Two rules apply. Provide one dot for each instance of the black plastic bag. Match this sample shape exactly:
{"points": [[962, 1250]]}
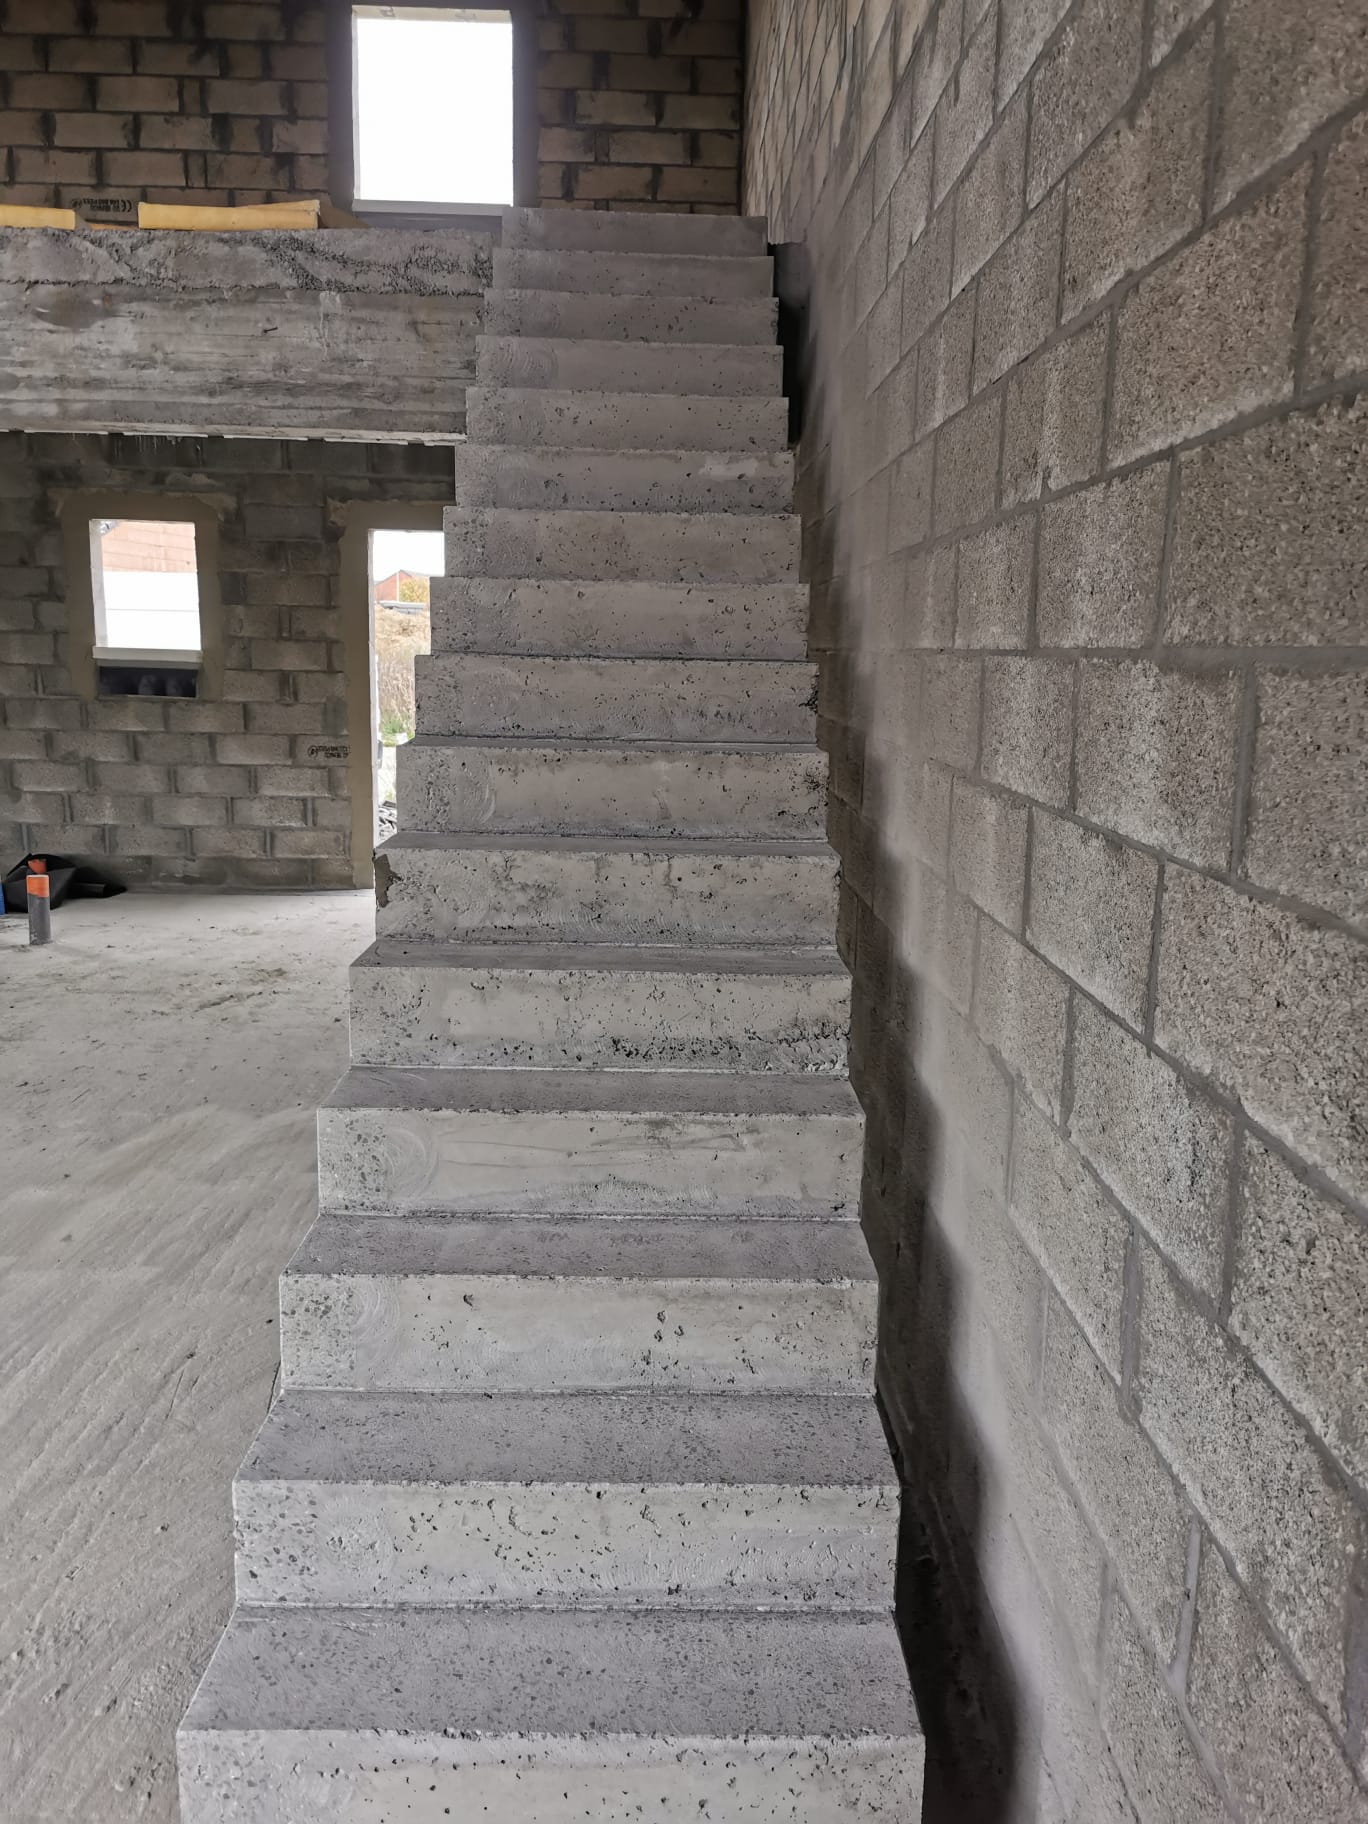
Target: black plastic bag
{"points": [[67, 879]]}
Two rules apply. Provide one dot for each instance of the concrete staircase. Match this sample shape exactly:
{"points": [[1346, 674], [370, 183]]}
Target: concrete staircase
{"points": [[575, 1503]]}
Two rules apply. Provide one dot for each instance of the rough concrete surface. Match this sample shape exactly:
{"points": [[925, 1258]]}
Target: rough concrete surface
{"points": [[161, 1067]]}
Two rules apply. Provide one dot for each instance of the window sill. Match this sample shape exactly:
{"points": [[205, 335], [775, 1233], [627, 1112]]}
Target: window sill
{"points": [[183, 656]]}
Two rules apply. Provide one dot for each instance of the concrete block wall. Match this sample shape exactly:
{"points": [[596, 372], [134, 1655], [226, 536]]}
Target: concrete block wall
{"points": [[108, 102], [640, 103], [1083, 483], [248, 787]]}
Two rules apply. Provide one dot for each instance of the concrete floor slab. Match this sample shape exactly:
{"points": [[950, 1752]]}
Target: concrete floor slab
{"points": [[162, 1063]]}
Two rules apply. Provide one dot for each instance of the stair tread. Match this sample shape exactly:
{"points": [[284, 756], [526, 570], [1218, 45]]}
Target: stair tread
{"points": [[558, 1673], [626, 1092], [458, 518], [730, 1250], [679, 1439], [800, 847], [610, 744], [623, 959]]}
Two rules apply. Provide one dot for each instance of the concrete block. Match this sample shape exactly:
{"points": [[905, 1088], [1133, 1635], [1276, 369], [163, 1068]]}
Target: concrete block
{"points": [[575, 365], [1267, 1006], [1125, 1489], [909, 498], [1140, 189], [439, 889], [988, 851], [501, 1305], [1263, 550], [1081, 83], [1019, 1007], [1052, 434], [1339, 300], [948, 725], [996, 570], [989, 203], [1161, 1147], [527, 1008], [485, 1717], [926, 278], [624, 421], [630, 274], [578, 1499], [1028, 726], [944, 364], [967, 450], [1297, 1301], [689, 481], [1159, 1761], [1026, 27], [972, 1094], [1100, 556], [487, 695], [964, 113], [586, 788], [1306, 834], [1210, 333], [619, 618], [1155, 757], [1283, 84], [909, 201], [605, 318], [1278, 1758], [1018, 293], [1252, 1473], [1072, 1228]]}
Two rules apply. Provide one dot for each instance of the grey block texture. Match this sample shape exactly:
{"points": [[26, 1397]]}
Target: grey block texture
{"points": [[584, 1338]]}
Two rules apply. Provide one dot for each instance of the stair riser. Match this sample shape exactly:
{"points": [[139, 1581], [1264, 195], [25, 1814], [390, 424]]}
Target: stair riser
{"points": [[617, 619], [635, 482], [672, 548], [606, 319], [605, 896], [633, 274], [604, 1545], [584, 791], [447, 1333], [626, 231], [615, 699], [414, 1161], [749, 370], [294, 1776], [562, 1019], [623, 421]]}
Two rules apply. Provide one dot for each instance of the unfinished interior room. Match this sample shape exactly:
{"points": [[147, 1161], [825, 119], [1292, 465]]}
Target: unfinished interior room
{"points": [[684, 978]]}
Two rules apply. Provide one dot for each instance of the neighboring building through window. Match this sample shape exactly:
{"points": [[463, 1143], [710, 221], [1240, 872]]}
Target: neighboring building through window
{"points": [[145, 581], [432, 107]]}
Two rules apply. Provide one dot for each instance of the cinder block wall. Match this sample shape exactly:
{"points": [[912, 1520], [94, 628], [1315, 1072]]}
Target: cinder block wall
{"points": [[226, 790], [1085, 475], [640, 103], [154, 100]]}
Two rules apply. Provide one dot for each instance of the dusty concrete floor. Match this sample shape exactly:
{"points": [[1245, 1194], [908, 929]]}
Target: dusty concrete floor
{"points": [[159, 1069]]}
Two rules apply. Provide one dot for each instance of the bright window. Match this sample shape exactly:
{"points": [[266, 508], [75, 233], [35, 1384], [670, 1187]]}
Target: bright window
{"points": [[145, 581], [433, 106]]}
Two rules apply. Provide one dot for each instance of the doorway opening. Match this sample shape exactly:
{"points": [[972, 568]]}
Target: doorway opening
{"points": [[401, 566], [432, 108]]}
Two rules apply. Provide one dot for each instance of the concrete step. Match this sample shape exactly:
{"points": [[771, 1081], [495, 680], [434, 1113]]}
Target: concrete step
{"points": [[605, 890], [534, 1305], [444, 1715], [633, 481], [660, 547], [605, 318], [497, 695], [696, 369], [504, 1006], [697, 1501], [693, 1143], [671, 275], [589, 788], [623, 421], [629, 231], [608, 619]]}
